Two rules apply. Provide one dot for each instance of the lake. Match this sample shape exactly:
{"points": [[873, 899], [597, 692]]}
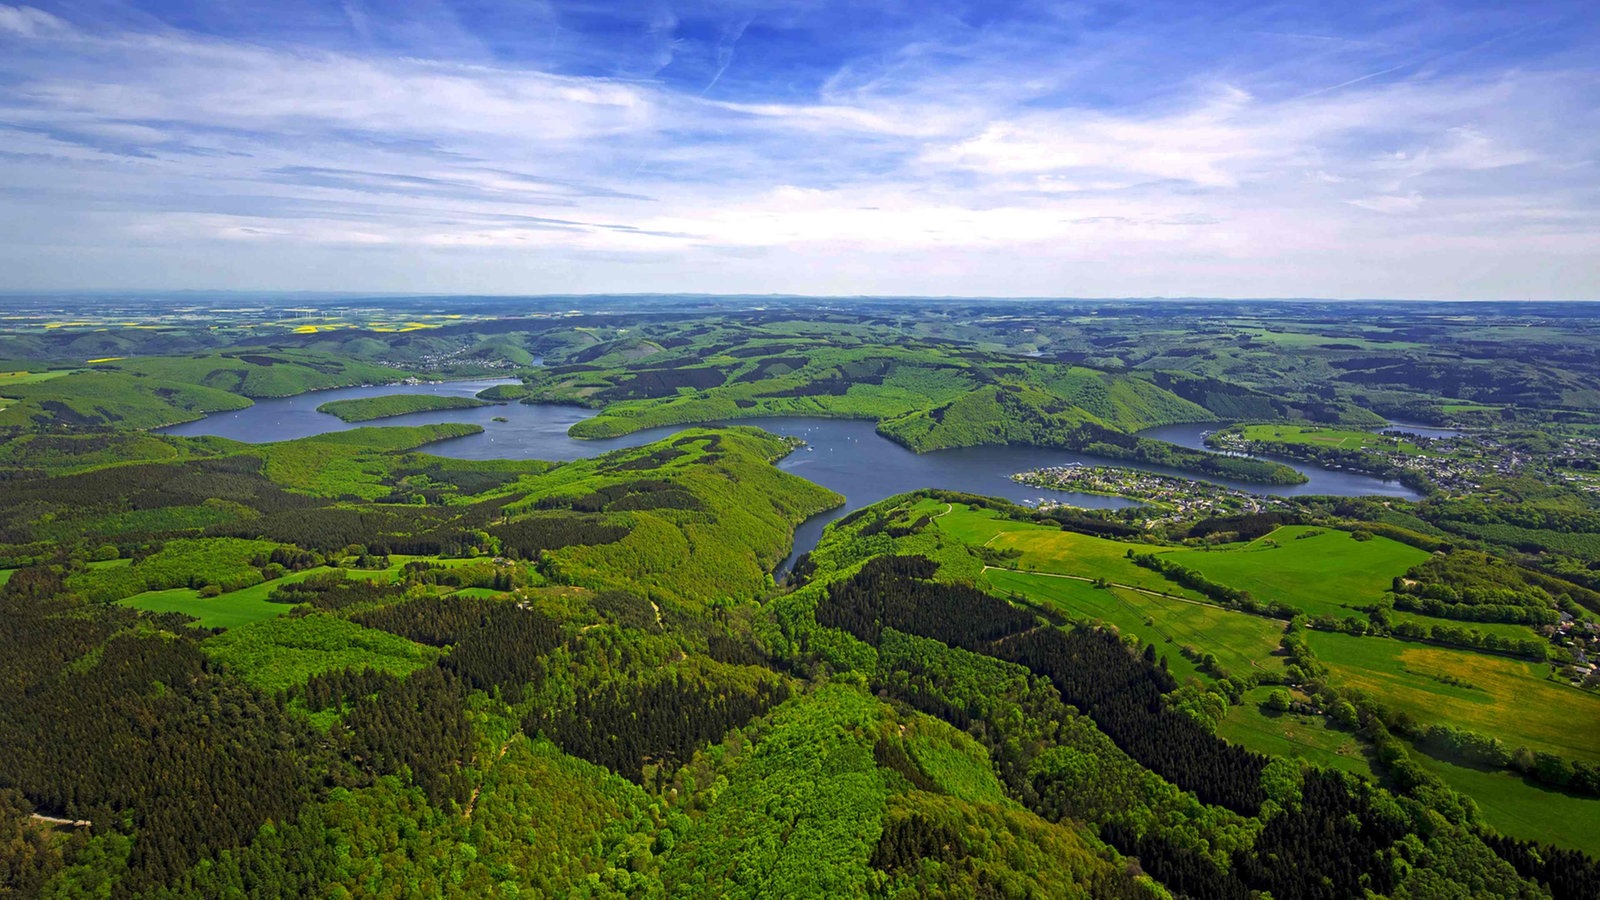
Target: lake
{"points": [[1427, 431], [1334, 482], [848, 456]]}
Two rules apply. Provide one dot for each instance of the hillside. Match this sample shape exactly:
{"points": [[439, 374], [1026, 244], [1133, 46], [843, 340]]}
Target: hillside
{"points": [[149, 392]]}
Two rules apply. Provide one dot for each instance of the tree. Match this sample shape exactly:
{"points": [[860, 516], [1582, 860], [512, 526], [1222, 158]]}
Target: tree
{"points": [[1278, 700]]}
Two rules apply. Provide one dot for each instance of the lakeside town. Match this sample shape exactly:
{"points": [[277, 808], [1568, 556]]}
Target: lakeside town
{"points": [[1456, 464], [1166, 499]]}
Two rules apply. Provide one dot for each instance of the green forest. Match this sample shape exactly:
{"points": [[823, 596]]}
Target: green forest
{"points": [[354, 665], [370, 408]]}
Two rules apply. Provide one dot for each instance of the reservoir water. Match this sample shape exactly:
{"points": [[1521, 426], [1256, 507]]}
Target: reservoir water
{"points": [[848, 456], [1334, 482], [1427, 431]]}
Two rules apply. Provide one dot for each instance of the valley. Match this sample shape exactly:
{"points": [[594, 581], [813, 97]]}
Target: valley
{"points": [[807, 601]]}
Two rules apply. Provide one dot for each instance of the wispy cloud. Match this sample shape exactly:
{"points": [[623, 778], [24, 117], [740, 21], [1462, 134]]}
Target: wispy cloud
{"points": [[29, 22], [845, 149]]}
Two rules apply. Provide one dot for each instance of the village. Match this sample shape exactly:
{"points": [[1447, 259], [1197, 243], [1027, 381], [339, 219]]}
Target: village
{"points": [[1456, 464], [1165, 499]]}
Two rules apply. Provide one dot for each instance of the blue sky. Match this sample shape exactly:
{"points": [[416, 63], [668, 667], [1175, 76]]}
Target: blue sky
{"points": [[1402, 149]]}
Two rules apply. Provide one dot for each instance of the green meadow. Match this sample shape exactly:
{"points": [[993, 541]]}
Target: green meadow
{"points": [[1240, 642], [972, 525], [278, 653], [242, 607], [1327, 573], [1504, 629], [223, 611], [1334, 438], [1506, 698], [478, 593], [1045, 549], [1293, 735], [1518, 807], [10, 378], [1301, 340]]}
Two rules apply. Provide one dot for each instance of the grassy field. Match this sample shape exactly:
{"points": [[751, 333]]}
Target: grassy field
{"points": [[224, 611], [1293, 735], [278, 653], [1518, 632], [228, 610], [1507, 698], [1240, 642], [1303, 340], [242, 607], [9, 378], [1339, 438], [1325, 573], [974, 526], [1520, 808], [1467, 407], [478, 593], [1046, 549], [5, 576]]}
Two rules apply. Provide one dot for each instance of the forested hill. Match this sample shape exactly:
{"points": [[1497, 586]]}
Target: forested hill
{"points": [[367, 409], [148, 392], [927, 396]]}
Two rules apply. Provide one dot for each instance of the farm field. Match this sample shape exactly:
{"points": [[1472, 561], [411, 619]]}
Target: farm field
{"points": [[1519, 808], [9, 378], [1506, 698], [1070, 553], [1327, 573], [1240, 642], [1293, 735], [1335, 438]]}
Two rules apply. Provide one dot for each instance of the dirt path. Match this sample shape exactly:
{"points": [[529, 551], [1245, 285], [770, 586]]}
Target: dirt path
{"points": [[53, 820]]}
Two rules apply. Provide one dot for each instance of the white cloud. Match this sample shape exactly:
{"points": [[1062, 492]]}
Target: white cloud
{"points": [[244, 87], [1390, 203], [921, 162], [30, 22]]}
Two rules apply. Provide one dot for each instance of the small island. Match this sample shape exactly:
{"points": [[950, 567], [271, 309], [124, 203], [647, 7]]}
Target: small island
{"points": [[368, 408]]}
